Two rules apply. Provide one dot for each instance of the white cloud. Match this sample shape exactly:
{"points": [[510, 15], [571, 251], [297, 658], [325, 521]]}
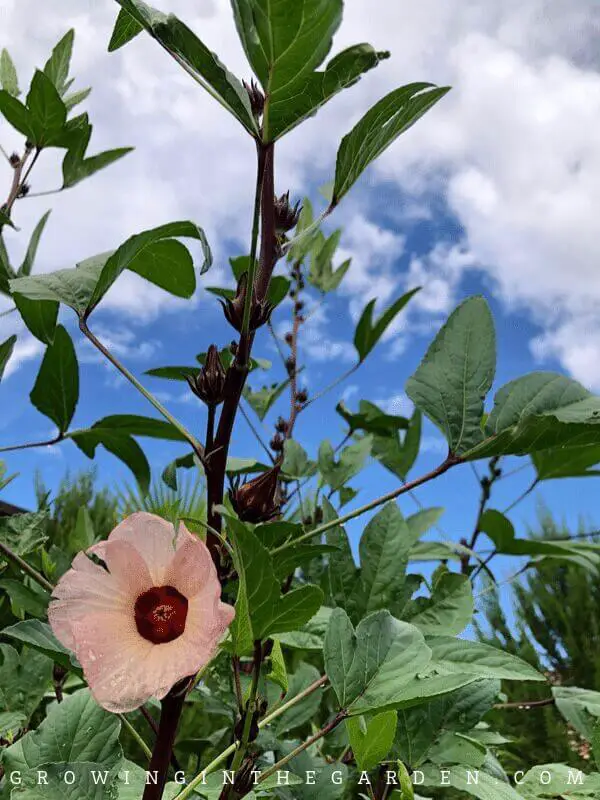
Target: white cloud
{"points": [[575, 345], [512, 149], [25, 349]]}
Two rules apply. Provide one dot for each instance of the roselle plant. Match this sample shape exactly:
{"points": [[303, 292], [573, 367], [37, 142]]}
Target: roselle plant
{"points": [[278, 664]]}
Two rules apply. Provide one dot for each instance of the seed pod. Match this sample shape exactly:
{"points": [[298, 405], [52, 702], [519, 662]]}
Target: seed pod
{"points": [[258, 500], [286, 216], [209, 383]]}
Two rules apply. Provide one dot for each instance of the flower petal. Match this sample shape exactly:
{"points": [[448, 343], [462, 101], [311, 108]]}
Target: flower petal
{"points": [[153, 537], [191, 567], [114, 660], [84, 589]]}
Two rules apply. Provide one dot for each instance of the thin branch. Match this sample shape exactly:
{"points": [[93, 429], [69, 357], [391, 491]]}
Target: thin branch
{"points": [[136, 736], [331, 725], [25, 567], [30, 445], [222, 757], [449, 462], [256, 433], [486, 483], [526, 705], [10, 311], [522, 496], [333, 385], [197, 447]]}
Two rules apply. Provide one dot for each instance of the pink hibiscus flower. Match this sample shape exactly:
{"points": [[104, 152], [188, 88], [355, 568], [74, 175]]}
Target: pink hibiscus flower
{"points": [[151, 618]]}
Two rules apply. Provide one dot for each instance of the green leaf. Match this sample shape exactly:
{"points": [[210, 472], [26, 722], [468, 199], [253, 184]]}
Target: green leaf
{"points": [[322, 275], [24, 533], [456, 373], [596, 743], [8, 74], [39, 316], [24, 599], [371, 419], [569, 462], [456, 748], [369, 668], [24, 679], [300, 714], [202, 64], [368, 332], [381, 125], [399, 457], [57, 66], [371, 742], [278, 673], [17, 115], [486, 788], [540, 411], [72, 100], [384, 548], [579, 707], [475, 658], [83, 535], [73, 287], [64, 737], [48, 113], [77, 169], [121, 445], [11, 724], [56, 389], [126, 28], [341, 576], [38, 636], [565, 782], [449, 609], [157, 257], [260, 608], [136, 425], [296, 463], [25, 268], [351, 461], [6, 351], [263, 400]]}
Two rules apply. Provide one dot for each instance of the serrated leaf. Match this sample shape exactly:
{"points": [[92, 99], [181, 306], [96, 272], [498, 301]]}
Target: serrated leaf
{"points": [[456, 374], [8, 74], [579, 707], [72, 100], [6, 351], [24, 679], [206, 67], [48, 113], [25, 600], [381, 125], [296, 463], [369, 331], [336, 473], [76, 170], [126, 28], [24, 533], [57, 66], [38, 636], [371, 419], [56, 389], [121, 445], [263, 400], [39, 316], [399, 456], [369, 667], [540, 411], [159, 258], [476, 658], [568, 462], [372, 741], [25, 268], [449, 609], [17, 115], [76, 730]]}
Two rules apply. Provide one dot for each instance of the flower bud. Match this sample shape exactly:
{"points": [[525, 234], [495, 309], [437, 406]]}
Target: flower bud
{"points": [[276, 443], [302, 396], [286, 216], [258, 500], [260, 312], [209, 383], [257, 98], [14, 160]]}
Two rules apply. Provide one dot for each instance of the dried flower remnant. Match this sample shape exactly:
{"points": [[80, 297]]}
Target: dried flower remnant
{"points": [[286, 215], [152, 617]]}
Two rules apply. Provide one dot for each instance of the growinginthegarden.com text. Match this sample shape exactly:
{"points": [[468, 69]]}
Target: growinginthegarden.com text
{"points": [[443, 777]]}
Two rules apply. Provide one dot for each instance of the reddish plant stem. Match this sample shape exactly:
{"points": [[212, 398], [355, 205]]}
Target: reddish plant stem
{"points": [[172, 706]]}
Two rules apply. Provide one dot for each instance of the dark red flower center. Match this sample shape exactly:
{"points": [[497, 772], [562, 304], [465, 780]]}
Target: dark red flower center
{"points": [[160, 614]]}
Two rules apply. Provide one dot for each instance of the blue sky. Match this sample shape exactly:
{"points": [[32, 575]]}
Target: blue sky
{"points": [[494, 192]]}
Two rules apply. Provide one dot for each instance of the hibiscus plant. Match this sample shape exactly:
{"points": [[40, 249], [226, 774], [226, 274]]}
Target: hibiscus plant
{"points": [[246, 652]]}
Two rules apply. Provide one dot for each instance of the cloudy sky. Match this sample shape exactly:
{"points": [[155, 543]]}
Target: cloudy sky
{"points": [[497, 190]]}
